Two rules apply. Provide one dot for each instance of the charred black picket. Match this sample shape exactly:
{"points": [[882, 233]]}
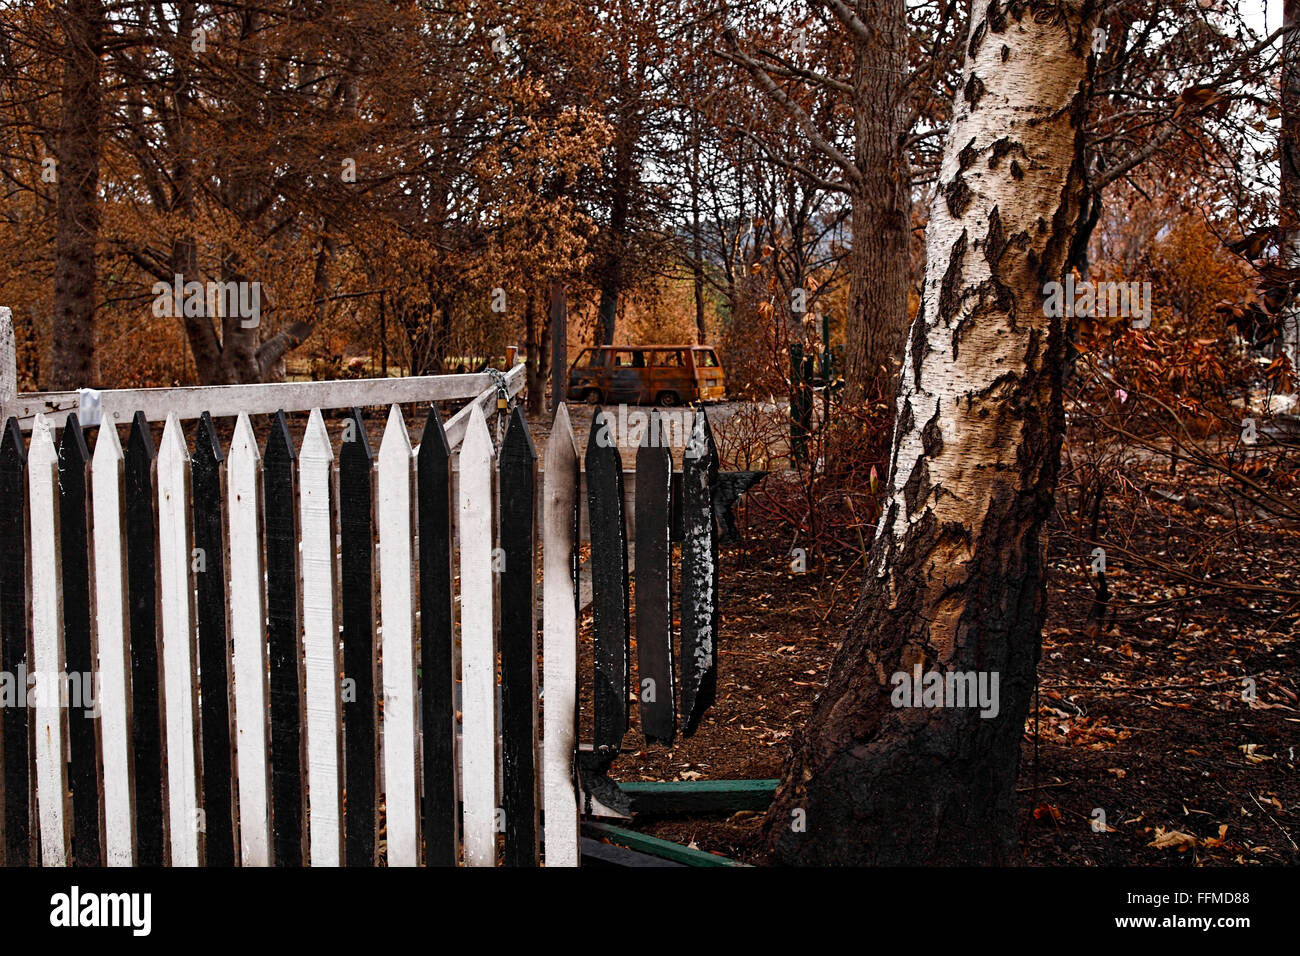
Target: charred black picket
{"points": [[699, 575], [654, 615], [142, 598], [17, 848], [283, 642], [437, 665], [214, 643], [609, 592], [518, 643], [79, 660], [360, 717]]}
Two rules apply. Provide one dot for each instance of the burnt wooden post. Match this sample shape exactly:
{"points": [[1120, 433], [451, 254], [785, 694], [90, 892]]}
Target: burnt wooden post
{"points": [[142, 597], [559, 345], [437, 664], [518, 642], [654, 615], [699, 575], [18, 845], [360, 717], [215, 685], [608, 532], [74, 551], [284, 644]]}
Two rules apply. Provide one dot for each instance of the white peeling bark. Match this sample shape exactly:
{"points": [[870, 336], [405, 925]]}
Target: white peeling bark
{"points": [[956, 581]]}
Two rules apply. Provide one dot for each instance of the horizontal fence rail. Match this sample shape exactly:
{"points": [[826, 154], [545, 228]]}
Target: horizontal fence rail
{"points": [[271, 668], [120, 406]]}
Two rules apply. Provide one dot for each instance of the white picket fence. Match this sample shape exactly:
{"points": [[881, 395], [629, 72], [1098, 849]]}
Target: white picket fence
{"points": [[396, 608]]}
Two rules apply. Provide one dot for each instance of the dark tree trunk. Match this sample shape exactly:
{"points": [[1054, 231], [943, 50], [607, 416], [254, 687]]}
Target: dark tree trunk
{"points": [[957, 575], [77, 169], [537, 340], [881, 218], [614, 270], [1289, 147]]}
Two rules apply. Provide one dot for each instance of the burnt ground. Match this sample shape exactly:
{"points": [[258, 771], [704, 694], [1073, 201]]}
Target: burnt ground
{"points": [[1141, 717]]}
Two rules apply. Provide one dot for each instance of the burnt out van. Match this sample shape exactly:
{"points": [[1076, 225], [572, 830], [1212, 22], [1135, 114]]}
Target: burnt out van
{"points": [[647, 375]]}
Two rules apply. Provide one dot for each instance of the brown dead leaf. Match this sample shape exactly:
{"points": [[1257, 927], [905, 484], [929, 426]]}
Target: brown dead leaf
{"points": [[1046, 811], [1173, 840], [1219, 840]]}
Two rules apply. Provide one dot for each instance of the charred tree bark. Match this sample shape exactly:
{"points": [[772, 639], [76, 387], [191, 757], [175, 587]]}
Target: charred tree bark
{"points": [[1289, 198], [73, 362], [956, 579]]}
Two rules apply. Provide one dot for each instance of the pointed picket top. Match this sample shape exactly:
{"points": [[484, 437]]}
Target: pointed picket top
{"points": [[316, 446], [108, 447], [243, 444], [596, 447], [356, 443], [396, 443], [433, 441], [562, 429], [279, 443], [13, 450], [518, 442], [42, 450], [173, 449], [72, 443], [652, 445], [207, 447], [478, 440], [139, 444], [700, 444]]}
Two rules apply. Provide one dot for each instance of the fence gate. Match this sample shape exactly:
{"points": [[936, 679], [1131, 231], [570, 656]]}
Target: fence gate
{"points": [[249, 654], [254, 653]]}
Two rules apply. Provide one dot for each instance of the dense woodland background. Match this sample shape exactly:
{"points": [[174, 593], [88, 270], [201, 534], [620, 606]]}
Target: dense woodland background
{"points": [[682, 167]]}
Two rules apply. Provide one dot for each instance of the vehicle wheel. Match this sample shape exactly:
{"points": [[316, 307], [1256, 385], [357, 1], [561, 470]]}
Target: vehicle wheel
{"points": [[591, 396], [669, 399]]}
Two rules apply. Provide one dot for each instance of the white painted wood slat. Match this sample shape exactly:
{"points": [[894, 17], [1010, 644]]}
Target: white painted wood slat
{"points": [[321, 643], [114, 655], [52, 808], [248, 634], [179, 650], [396, 598], [559, 645], [478, 643]]}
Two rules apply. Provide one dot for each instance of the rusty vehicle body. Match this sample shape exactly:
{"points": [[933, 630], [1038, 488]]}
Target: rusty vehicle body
{"points": [[647, 375]]}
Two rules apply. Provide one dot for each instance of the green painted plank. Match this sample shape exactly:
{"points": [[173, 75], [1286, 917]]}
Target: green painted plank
{"points": [[656, 847]]}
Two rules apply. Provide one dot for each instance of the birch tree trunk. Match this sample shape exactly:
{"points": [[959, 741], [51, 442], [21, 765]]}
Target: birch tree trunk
{"points": [[956, 580]]}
